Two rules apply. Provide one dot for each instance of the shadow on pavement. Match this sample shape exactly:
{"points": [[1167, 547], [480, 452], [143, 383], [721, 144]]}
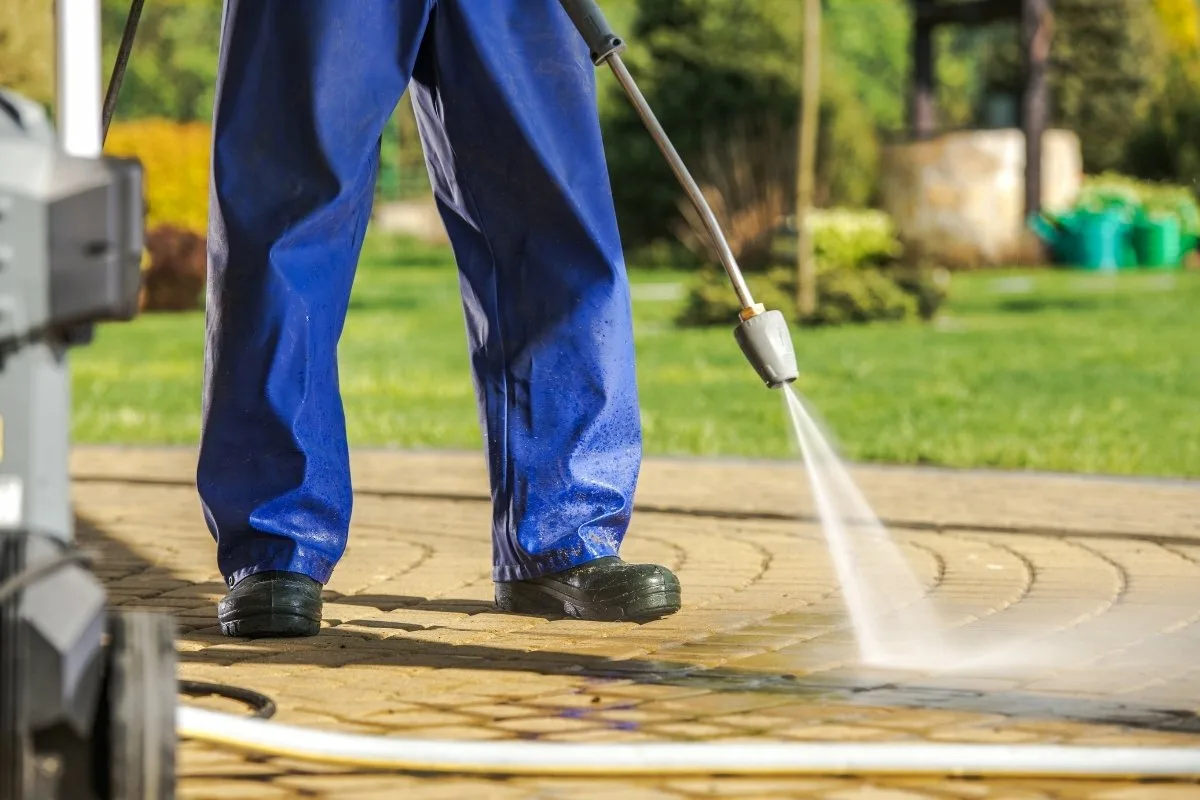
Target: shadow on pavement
{"points": [[382, 643], [133, 580]]}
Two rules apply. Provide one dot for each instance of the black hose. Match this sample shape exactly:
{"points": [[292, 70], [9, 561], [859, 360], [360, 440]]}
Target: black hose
{"points": [[263, 706], [118, 72]]}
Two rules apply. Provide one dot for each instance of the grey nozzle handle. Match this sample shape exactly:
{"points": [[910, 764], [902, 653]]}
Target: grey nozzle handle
{"points": [[765, 340], [599, 35]]}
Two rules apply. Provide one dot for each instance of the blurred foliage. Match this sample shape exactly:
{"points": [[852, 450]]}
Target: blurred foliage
{"points": [[845, 295], [853, 238], [861, 278], [178, 266], [27, 48], [1126, 77], [1110, 190], [959, 52], [175, 157], [173, 65], [402, 170], [1180, 21], [1107, 60], [708, 66], [749, 178], [1166, 146]]}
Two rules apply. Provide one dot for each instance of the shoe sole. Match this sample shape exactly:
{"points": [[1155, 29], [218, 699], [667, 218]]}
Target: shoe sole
{"points": [[269, 626], [260, 615], [542, 600]]}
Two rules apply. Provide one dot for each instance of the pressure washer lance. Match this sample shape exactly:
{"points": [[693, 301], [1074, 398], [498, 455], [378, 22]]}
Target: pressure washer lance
{"points": [[763, 335]]}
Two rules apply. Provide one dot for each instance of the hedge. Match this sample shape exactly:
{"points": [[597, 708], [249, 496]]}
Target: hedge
{"points": [[175, 156]]}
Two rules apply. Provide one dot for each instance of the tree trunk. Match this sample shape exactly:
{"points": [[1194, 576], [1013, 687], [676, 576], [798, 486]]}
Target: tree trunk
{"points": [[1036, 33], [924, 101], [810, 110]]}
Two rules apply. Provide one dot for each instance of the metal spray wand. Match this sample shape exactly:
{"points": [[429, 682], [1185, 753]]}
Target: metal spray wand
{"points": [[763, 335]]}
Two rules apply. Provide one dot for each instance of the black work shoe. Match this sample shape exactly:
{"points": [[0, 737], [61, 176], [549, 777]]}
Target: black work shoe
{"points": [[606, 589], [271, 604]]}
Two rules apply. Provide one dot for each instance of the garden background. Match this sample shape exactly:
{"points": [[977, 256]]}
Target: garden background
{"points": [[1016, 367]]}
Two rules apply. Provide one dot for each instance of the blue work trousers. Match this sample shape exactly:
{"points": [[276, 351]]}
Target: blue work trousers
{"points": [[506, 105]]}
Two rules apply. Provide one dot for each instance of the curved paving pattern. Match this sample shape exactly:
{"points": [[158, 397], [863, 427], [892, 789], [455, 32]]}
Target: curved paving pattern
{"points": [[1098, 582]]}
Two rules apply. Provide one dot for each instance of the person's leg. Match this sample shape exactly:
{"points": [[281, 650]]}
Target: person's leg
{"points": [[506, 103], [304, 90]]}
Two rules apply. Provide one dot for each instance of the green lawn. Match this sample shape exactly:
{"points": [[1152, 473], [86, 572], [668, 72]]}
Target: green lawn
{"points": [[1054, 371]]}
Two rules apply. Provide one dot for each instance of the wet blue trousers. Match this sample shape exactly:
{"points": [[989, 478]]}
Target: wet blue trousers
{"points": [[505, 100]]}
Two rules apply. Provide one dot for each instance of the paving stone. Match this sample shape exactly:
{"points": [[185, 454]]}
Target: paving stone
{"points": [[876, 793], [231, 789], [837, 733], [690, 730], [1154, 791], [743, 787], [1094, 586]]}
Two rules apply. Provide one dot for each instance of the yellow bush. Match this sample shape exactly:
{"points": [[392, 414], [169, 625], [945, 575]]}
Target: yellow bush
{"points": [[27, 48], [1181, 25], [175, 156]]}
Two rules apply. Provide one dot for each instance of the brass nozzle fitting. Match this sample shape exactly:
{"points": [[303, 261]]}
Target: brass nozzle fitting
{"points": [[752, 311]]}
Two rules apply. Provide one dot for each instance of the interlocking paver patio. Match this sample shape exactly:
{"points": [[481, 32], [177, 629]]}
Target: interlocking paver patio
{"points": [[1106, 571]]}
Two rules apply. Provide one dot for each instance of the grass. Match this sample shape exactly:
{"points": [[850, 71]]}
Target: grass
{"points": [[1046, 370]]}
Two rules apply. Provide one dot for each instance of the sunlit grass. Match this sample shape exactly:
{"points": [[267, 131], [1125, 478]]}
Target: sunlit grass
{"points": [[1048, 370]]}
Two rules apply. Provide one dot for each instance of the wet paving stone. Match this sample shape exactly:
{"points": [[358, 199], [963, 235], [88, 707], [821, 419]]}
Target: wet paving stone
{"points": [[1103, 615]]}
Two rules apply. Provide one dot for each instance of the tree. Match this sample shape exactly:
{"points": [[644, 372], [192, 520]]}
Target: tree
{"points": [[1106, 64], [1167, 147], [810, 109], [711, 68], [173, 67]]}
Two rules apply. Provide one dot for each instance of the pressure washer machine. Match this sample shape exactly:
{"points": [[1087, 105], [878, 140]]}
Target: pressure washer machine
{"points": [[87, 694]]}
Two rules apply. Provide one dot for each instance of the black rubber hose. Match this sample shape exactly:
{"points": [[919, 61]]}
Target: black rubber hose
{"points": [[118, 72], [263, 706]]}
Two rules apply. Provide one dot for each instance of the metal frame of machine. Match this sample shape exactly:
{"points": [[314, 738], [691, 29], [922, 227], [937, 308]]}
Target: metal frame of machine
{"points": [[87, 694]]}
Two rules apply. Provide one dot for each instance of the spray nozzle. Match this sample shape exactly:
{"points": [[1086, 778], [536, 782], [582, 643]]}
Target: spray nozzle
{"points": [[764, 338]]}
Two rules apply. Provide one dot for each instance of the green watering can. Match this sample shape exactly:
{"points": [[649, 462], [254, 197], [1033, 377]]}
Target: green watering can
{"points": [[1161, 241], [1092, 239]]}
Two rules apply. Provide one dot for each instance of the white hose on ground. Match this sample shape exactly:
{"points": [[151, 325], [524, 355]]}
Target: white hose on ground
{"points": [[608, 760]]}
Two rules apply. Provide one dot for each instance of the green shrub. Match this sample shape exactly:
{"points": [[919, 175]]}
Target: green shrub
{"points": [[861, 278], [844, 237], [853, 238], [711, 300], [1114, 190], [845, 295], [929, 285]]}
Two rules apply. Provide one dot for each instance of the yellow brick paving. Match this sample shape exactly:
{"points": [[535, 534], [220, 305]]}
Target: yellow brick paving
{"points": [[1105, 569]]}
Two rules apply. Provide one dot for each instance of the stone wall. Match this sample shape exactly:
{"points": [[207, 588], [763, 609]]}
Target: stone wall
{"points": [[959, 199]]}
